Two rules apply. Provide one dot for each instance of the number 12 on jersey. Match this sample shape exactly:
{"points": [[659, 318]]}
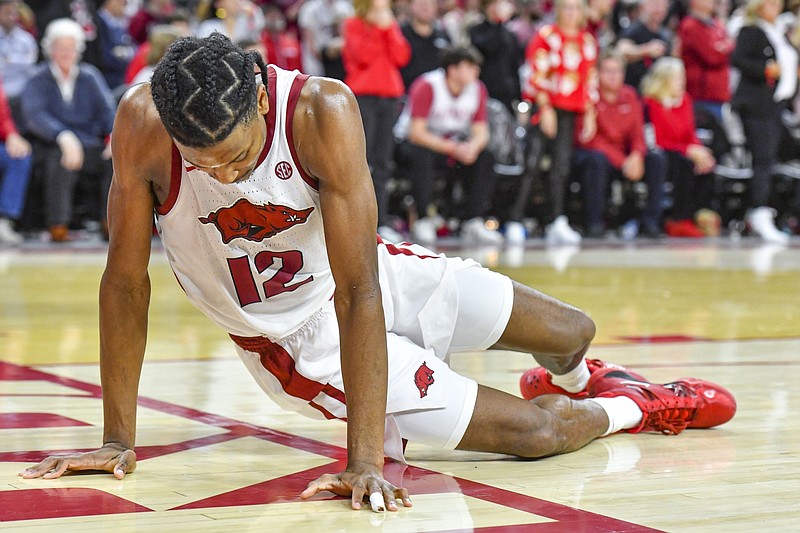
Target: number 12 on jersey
{"points": [[283, 280]]}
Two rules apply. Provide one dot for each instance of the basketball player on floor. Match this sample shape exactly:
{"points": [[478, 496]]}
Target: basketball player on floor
{"points": [[267, 214]]}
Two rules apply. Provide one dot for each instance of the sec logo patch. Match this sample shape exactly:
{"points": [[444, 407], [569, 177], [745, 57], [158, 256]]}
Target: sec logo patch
{"points": [[283, 170]]}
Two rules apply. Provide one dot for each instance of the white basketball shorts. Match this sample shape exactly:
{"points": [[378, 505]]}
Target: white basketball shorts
{"points": [[433, 306]]}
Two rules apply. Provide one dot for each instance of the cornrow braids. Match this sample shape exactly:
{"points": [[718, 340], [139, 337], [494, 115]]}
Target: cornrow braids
{"points": [[204, 88]]}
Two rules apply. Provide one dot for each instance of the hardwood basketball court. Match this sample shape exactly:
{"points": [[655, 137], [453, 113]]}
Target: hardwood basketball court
{"points": [[215, 454]]}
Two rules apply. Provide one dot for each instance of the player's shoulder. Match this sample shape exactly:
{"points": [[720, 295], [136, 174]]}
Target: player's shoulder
{"points": [[137, 115], [139, 138], [325, 102]]}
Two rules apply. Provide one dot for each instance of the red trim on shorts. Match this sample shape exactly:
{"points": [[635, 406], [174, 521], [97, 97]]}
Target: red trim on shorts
{"points": [[277, 361], [176, 172], [294, 96], [394, 249]]}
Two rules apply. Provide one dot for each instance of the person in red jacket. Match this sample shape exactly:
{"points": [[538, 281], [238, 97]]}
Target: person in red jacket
{"points": [[563, 84], [671, 113], [618, 151], [706, 50], [374, 51]]}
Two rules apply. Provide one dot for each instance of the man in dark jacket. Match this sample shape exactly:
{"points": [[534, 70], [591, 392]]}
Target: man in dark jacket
{"points": [[68, 108]]}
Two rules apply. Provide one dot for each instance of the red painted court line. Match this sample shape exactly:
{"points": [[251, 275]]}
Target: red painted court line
{"points": [[287, 488], [37, 504]]}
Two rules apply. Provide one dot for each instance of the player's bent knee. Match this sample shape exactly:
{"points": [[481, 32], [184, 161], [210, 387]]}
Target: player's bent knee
{"points": [[581, 331]]}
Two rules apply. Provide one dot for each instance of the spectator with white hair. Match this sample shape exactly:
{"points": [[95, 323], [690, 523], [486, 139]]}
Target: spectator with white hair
{"points": [[69, 110]]}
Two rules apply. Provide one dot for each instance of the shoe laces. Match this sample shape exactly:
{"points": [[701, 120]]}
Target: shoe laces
{"points": [[671, 415]]}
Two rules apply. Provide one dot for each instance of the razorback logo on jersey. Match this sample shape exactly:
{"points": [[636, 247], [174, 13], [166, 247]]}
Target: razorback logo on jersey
{"points": [[244, 220], [423, 378]]}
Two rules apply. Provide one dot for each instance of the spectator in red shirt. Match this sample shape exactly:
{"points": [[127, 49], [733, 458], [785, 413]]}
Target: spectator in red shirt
{"points": [[563, 84], [444, 131], [671, 114], [618, 151], [15, 169], [706, 50], [374, 50]]}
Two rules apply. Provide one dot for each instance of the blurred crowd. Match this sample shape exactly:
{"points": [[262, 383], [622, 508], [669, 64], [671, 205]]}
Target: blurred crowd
{"points": [[495, 120]]}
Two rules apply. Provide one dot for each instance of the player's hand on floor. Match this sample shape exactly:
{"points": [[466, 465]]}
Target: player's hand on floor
{"points": [[112, 458], [360, 482]]}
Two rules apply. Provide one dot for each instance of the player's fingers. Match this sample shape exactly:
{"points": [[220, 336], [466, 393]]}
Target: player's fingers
{"points": [[125, 465], [359, 490], [58, 469], [40, 469], [324, 482], [388, 497], [376, 500], [402, 493]]}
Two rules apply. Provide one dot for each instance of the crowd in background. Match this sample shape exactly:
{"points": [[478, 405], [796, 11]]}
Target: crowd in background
{"points": [[493, 118]]}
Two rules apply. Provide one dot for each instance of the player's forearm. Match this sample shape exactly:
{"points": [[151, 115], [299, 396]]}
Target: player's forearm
{"points": [[123, 334], [365, 374]]}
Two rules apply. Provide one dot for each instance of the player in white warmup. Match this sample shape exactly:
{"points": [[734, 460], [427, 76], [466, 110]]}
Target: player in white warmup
{"points": [[265, 206]]}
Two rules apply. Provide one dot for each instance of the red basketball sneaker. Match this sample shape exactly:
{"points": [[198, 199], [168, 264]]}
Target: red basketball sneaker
{"points": [[538, 381], [668, 408]]}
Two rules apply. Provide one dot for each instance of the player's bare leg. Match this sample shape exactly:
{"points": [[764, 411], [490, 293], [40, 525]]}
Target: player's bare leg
{"points": [[548, 425], [556, 333]]}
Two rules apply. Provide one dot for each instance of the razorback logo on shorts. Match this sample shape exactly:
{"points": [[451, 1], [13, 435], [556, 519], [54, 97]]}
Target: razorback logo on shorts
{"points": [[252, 222], [423, 378]]}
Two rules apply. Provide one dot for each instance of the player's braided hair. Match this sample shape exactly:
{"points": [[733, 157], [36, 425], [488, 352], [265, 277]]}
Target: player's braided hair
{"points": [[204, 88]]}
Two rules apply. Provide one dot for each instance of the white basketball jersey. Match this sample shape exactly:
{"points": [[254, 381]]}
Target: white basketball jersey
{"points": [[251, 255], [449, 115]]}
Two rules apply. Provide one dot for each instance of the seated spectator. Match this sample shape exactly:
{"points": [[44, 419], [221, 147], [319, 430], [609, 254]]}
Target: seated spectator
{"points": [[426, 38], [15, 169], [84, 12], [618, 151], [768, 63], [374, 50], [443, 130], [643, 42], [501, 52], [671, 114], [152, 12], [282, 45], [160, 38], [706, 49], [563, 84], [69, 109], [237, 19], [116, 45], [18, 50]]}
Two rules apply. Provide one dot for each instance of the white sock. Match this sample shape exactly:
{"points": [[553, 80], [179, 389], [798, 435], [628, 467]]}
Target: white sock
{"points": [[575, 380], [622, 412]]}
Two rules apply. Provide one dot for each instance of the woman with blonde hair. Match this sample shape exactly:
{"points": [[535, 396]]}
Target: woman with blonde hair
{"points": [[374, 50], [563, 83], [768, 63], [671, 113]]}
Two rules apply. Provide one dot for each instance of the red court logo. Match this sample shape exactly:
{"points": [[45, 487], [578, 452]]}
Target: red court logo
{"points": [[283, 170], [252, 222], [423, 378]]}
